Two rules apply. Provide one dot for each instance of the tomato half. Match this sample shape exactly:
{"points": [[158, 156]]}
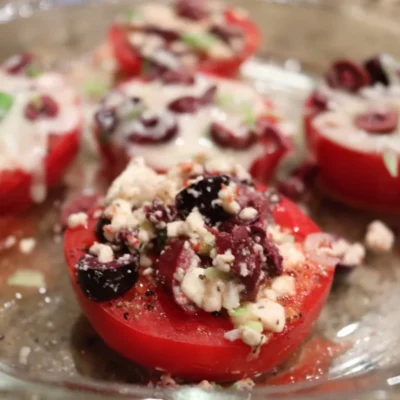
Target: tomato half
{"points": [[131, 64], [354, 177], [15, 185], [154, 332]]}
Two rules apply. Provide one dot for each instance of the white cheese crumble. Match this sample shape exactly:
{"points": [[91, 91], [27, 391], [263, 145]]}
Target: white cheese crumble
{"points": [[9, 242], [223, 262], [104, 252], [284, 286], [27, 245], [269, 313], [227, 196], [379, 238], [248, 213], [77, 219]]}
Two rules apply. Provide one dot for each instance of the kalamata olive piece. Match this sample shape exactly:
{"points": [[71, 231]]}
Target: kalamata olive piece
{"points": [[106, 121], [167, 34], [226, 32], [18, 63], [202, 195], [177, 77], [318, 101], [292, 187], [159, 213], [176, 256], [347, 75], [377, 121], [42, 106], [224, 137], [191, 9], [107, 281], [376, 71], [154, 131], [185, 105]]}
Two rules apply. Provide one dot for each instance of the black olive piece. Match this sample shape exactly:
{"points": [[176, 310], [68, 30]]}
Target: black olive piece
{"points": [[106, 281], [203, 195]]}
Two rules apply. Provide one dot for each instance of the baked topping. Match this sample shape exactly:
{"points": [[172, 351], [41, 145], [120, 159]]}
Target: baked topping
{"points": [[359, 106], [33, 106], [204, 233], [181, 114], [170, 37]]}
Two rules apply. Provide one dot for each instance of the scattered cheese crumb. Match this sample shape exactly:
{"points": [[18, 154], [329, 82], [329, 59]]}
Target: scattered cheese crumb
{"points": [[379, 238], [354, 255], [103, 252], [223, 262], [77, 219], [9, 242], [245, 384], [284, 286], [27, 245], [248, 213], [24, 354]]}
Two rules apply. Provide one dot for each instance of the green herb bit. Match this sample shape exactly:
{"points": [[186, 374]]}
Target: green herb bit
{"points": [[132, 15], [225, 100], [6, 102], [33, 71], [239, 311], [95, 87], [198, 41], [391, 161], [249, 116], [161, 239], [255, 325]]}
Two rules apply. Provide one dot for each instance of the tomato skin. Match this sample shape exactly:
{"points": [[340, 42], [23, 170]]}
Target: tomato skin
{"points": [[131, 64], [15, 193], [354, 177], [193, 347]]}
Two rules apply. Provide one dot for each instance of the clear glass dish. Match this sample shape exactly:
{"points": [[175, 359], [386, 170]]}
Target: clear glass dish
{"points": [[48, 350]]}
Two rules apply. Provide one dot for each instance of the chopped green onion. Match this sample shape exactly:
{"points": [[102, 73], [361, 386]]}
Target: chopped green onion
{"points": [[198, 41], [391, 161], [33, 71], [6, 102], [132, 15], [255, 325], [95, 87], [27, 278], [239, 311], [249, 116]]}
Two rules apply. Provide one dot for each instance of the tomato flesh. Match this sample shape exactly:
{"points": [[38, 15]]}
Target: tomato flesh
{"points": [[150, 329], [15, 185], [131, 64], [354, 177]]}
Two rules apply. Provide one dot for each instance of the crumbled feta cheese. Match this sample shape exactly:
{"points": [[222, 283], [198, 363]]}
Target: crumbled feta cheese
{"points": [[248, 213], [27, 245], [137, 184], [145, 261], [284, 286], [270, 294], [213, 295], [233, 335], [227, 196], [193, 286], [269, 313], [104, 252], [245, 384], [231, 295], [223, 262], [251, 337], [78, 219], [24, 353], [244, 271], [354, 255], [379, 238], [292, 254]]}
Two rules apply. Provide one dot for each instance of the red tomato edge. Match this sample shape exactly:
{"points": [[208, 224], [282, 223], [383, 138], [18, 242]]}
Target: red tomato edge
{"points": [[131, 65], [357, 178], [15, 195], [230, 358]]}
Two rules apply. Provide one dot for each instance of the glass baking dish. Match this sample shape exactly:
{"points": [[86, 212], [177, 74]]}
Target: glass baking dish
{"points": [[48, 349]]}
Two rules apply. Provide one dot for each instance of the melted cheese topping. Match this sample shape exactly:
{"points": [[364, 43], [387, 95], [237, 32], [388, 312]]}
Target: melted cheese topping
{"points": [[23, 143], [337, 124], [193, 129], [163, 16]]}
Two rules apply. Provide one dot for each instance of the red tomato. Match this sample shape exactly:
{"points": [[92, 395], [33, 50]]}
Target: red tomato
{"points": [[154, 332], [131, 64], [354, 177], [16, 184]]}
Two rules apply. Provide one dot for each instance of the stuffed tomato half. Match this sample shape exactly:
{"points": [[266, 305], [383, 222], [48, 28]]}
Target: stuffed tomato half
{"points": [[197, 273], [171, 118], [204, 36], [40, 124], [352, 129]]}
